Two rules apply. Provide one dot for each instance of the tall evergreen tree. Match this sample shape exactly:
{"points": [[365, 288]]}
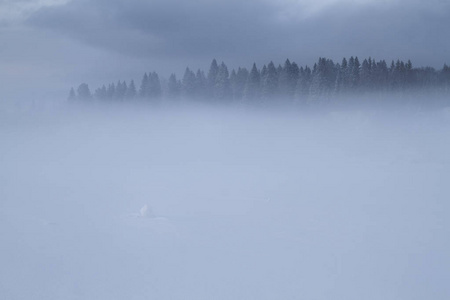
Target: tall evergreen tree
{"points": [[212, 78], [237, 82], [101, 93], [143, 90], [201, 85], [222, 87], [72, 95], [174, 87], [284, 80], [83, 92], [131, 91], [270, 83], [365, 76], [121, 89], [188, 84], [154, 90], [252, 85], [303, 85]]}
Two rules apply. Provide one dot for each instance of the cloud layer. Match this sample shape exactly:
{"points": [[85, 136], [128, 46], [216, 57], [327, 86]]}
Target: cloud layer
{"points": [[101, 40], [260, 29]]}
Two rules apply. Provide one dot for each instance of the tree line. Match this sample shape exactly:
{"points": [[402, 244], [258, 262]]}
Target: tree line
{"points": [[289, 83]]}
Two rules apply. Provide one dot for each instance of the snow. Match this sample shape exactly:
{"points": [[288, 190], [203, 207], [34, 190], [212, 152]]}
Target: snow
{"points": [[209, 204]]}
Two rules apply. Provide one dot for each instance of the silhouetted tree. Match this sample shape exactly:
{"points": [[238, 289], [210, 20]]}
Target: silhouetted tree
{"points": [[72, 95], [252, 86], [188, 84], [83, 92], [222, 87], [131, 91], [174, 87]]}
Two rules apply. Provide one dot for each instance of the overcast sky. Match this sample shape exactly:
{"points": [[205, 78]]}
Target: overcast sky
{"points": [[47, 46]]}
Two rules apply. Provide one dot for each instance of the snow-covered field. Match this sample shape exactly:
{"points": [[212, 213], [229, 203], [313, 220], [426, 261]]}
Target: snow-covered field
{"points": [[202, 204]]}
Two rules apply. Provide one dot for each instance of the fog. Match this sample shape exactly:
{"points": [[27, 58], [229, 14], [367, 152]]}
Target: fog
{"points": [[120, 202]]}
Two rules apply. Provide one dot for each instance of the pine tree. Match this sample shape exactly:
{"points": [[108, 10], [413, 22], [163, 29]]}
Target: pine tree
{"points": [[294, 73], [174, 87], [222, 87], [154, 86], [83, 92], [110, 92], [284, 80], [72, 96], [143, 90], [323, 79], [303, 85], [445, 78], [212, 77], [365, 76], [131, 91], [233, 83], [355, 74], [270, 83], [252, 85], [201, 85], [237, 81], [101, 93], [242, 76], [188, 84], [121, 89]]}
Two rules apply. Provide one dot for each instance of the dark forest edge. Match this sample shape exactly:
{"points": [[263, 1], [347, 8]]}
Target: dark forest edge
{"points": [[325, 83]]}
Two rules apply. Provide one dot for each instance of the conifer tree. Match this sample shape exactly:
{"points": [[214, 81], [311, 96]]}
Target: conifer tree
{"points": [[270, 83], [101, 93], [212, 77], [174, 87], [143, 90], [222, 87], [284, 80], [154, 86], [252, 86], [131, 91], [201, 85], [365, 76], [188, 84], [72, 95], [303, 85], [83, 92], [110, 91]]}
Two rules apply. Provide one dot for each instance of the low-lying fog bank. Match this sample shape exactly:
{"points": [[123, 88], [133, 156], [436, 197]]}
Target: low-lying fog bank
{"points": [[343, 204]]}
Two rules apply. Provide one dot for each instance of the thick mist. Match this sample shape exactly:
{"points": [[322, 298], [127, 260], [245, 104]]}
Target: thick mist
{"points": [[120, 202]]}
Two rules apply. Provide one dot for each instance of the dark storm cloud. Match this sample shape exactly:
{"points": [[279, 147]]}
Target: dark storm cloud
{"points": [[255, 29], [161, 27]]}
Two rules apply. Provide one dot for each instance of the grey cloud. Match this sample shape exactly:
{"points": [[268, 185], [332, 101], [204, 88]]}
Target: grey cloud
{"points": [[160, 27], [252, 29]]}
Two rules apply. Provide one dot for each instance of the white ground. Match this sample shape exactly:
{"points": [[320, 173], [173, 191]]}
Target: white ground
{"points": [[240, 205]]}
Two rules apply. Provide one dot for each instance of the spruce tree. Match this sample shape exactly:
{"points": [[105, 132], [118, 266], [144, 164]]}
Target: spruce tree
{"points": [[270, 83], [188, 84], [201, 85], [83, 92], [222, 87], [174, 87], [252, 86], [72, 95], [303, 86], [131, 91], [143, 90], [212, 77], [110, 92], [154, 90]]}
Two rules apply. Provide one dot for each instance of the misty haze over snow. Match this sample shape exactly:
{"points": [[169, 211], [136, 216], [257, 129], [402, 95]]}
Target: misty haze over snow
{"points": [[163, 175], [224, 204]]}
